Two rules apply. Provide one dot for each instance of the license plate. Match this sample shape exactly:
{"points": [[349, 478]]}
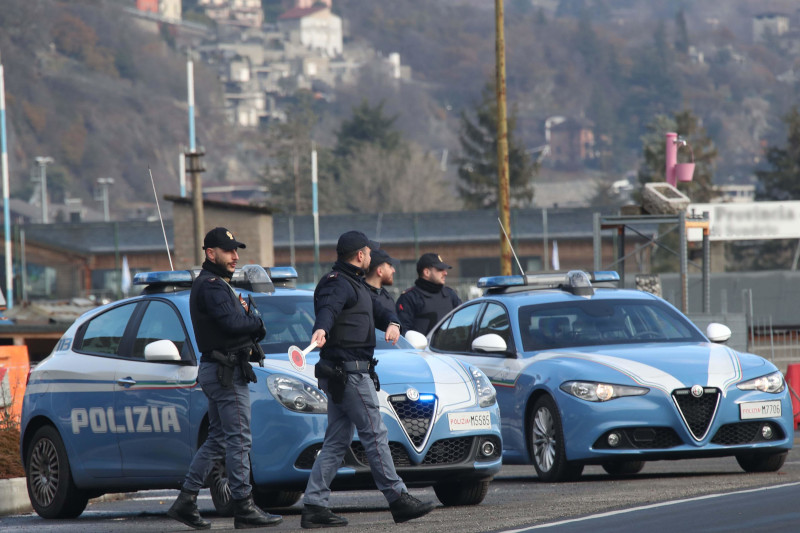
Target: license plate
{"points": [[465, 421], [766, 409]]}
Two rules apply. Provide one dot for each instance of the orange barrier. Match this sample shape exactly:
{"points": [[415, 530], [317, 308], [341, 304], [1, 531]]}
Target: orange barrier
{"points": [[14, 366], [793, 382]]}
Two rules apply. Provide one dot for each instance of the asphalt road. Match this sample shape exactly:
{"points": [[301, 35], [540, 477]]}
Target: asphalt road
{"points": [[518, 501]]}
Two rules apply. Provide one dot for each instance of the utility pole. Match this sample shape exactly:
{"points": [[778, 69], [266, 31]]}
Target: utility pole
{"points": [[6, 209], [502, 144], [43, 162], [194, 166], [104, 183]]}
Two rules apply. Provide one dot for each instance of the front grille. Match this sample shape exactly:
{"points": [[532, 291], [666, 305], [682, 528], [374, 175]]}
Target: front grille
{"points": [[644, 438], [697, 412], [745, 433], [416, 417], [399, 454], [449, 451]]}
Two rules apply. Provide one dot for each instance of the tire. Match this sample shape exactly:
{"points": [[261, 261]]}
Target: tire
{"points": [[51, 489], [623, 468], [461, 493], [755, 462], [269, 499], [217, 482], [547, 444]]}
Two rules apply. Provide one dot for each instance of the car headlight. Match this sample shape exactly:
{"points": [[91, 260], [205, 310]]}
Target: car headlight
{"points": [[486, 394], [593, 391], [297, 395], [773, 383]]}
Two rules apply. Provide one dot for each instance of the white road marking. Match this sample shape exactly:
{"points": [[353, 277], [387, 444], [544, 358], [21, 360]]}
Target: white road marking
{"points": [[645, 507]]}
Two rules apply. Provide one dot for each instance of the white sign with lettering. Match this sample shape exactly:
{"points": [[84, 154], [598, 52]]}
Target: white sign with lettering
{"points": [[749, 221]]}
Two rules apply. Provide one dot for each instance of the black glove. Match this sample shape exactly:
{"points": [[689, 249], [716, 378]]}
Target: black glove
{"points": [[262, 332], [374, 375]]}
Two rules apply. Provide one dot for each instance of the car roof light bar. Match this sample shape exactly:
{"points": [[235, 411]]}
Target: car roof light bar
{"points": [[281, 273], [249, 277], [575, 281]]}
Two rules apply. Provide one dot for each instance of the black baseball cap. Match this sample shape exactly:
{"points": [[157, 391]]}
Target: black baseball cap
{"points": [[351, 241], [379, 257], [221, 238], [431, 260]]}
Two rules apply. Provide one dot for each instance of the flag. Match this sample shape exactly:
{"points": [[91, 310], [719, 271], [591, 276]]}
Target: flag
{"points": [[125, 278], [556, 264]]}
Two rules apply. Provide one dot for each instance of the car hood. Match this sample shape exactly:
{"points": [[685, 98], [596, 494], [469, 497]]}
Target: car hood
{"points": [[664, 366], [394, 367]]}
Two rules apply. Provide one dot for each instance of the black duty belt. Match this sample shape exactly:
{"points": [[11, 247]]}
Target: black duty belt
{"points": [[354, 367]]}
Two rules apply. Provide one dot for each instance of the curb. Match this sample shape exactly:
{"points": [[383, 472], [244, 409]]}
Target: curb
{"points": [[14, 496]]}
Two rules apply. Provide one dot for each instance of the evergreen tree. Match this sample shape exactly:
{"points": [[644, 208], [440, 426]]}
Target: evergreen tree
{"points": [[781, 181], [681, 33], [368, 125], [477, 166]]}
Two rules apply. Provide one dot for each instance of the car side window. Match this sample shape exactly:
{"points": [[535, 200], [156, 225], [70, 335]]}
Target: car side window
{"points": [[495, 320], [103, 333], [456, 334], [160, 322]]}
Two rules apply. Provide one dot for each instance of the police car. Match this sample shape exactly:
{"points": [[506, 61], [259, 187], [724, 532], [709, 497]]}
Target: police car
{"points": [[587, 374], [116, 407]]}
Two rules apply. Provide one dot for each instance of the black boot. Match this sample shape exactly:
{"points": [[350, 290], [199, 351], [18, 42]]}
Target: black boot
{"points": [[185, 510], [316, 516], [246, 515], [408, 507]]}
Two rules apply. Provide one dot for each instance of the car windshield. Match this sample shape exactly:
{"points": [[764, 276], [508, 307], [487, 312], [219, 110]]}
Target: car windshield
{"points": [[289, 320], [597, 322]]}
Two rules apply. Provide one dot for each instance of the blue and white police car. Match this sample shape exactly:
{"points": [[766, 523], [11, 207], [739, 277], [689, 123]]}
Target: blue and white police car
{"points": [[587, 374], [116, 406]]}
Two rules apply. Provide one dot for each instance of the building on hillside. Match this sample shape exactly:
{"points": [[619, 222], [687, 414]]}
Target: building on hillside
{"points": [[305, 4], [168, 9], [244, 13], [766, 25], [571, 143], [316, 28]]}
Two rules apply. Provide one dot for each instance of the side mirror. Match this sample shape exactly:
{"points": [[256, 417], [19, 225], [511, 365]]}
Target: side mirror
{"points": [[718, 332], [163, 350], [491, 342], [417, 339]]}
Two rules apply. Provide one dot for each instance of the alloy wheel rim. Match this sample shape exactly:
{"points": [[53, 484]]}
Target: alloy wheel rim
{"points": [[219, 482], [44, 472], [544, 441]]}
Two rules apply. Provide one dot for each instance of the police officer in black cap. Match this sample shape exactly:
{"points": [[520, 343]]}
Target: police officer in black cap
{"points": [[226, 329], [346, 316], [381, 274], [423, 305]]}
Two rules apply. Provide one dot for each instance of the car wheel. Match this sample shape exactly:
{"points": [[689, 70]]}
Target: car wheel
{"points": [[756, 462], [217, 482], [462, 492], [267, 499], [547, 444], [52, 491], [623, 468]]}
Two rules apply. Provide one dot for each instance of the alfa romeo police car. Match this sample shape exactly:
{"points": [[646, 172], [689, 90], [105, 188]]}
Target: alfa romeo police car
{"points": [[598, 375], [116, 406]]}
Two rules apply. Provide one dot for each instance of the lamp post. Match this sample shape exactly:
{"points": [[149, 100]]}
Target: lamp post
{"points": [[104, 183], [43, 162]]}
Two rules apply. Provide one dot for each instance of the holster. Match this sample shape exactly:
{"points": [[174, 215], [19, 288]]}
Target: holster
{"points": [[336, 376], [257, 355], [374, 375], [225, 363]]}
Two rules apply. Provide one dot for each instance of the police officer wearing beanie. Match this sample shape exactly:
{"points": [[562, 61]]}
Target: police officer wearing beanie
{"points": [[421, 307], [381, 274], [225, 330], [346, 317]]}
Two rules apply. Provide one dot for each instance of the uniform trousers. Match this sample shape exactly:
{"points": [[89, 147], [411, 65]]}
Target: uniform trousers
{"points": [[229, 434], [358, 410]]}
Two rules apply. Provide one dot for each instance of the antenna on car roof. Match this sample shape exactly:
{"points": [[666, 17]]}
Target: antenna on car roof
{"points": [[160, 218], [512, 250]]}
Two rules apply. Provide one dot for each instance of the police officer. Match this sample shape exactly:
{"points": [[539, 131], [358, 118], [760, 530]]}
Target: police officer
{"points": [[381, 274], [346, 316], [420, 307], [226, 330]]}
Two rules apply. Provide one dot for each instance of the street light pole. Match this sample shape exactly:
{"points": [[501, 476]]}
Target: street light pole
{"points": [[104, 183], [43, 162]]}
